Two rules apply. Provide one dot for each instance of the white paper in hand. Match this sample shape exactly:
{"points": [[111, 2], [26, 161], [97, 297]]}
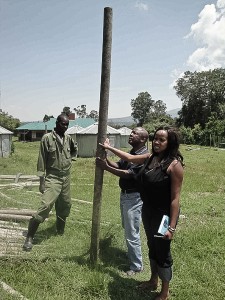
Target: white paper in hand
{"points": [[163, 227]]}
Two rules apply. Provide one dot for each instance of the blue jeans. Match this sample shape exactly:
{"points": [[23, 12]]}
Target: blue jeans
{"points": [[130, 206]]}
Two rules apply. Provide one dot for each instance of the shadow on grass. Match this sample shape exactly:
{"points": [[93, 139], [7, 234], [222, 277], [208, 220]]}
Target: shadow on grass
{"points": [[44, 234], [124, 288], [112, 256], [120, 287], [108, 255], [105, 278]]}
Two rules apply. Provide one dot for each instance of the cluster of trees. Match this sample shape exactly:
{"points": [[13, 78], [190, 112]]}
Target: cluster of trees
{"points": [[212, 135], [145, 109], [7, 121], [202, 117], [202, 95], [81, 112]]}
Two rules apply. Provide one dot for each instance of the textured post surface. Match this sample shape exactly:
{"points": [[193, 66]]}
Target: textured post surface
{"points": [[102, 130]]}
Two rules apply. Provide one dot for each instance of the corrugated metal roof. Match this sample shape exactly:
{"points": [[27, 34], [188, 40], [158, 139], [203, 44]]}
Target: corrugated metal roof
{"points": [[40, 125], [4, 131], [93, 129], [74, 129], [125, 131]]}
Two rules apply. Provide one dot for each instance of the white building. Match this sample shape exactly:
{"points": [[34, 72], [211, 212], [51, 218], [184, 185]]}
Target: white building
{"points": [[5, 142], [125, 133], [72, 131], [87, 140]]}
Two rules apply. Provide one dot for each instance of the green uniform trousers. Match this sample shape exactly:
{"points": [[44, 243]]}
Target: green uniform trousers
{"points": [[57, 191]]}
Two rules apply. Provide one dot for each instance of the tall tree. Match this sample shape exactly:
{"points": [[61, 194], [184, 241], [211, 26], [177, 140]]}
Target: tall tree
{"points": [[215, 127], [66, 111], [81, 111], [201, 93], [47, 118], [141, 107], [158, 109], [93, 115], [9, 122]]}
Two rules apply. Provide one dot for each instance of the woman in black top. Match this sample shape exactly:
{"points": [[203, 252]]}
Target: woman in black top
{"points": [[160, 182]]}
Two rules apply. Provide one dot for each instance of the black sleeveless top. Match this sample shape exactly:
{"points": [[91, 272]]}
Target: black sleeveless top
{"points": [[155, 186]]}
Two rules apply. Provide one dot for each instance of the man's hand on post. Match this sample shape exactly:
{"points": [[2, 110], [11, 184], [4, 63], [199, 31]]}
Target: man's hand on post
{"points": [[101, 163]]}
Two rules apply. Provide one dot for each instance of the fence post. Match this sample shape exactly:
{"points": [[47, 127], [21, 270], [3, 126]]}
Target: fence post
{"points": [[102, 130]]}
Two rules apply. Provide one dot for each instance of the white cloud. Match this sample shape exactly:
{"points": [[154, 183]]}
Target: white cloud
{"points": [[221, 4], [209, 34], [141, 5]]}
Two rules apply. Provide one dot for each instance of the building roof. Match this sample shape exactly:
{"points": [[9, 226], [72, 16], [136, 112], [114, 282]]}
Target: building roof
{"points": [[4, 131], [40, 125], [93, 129], [74, 129], [125, 131]]}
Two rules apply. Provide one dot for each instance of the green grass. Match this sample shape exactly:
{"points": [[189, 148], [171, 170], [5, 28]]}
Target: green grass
{"points": [[58, 267]]}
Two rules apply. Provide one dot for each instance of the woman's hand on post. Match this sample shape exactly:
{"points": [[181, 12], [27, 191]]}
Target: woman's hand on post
{"points": [[106, 144]]}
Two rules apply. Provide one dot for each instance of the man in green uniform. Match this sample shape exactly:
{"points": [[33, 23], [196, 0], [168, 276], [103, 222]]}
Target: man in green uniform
{"points": [[54, 163]]}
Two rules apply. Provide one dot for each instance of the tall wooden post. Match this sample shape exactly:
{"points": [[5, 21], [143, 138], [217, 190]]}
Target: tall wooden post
{"points": [[102, 131]]}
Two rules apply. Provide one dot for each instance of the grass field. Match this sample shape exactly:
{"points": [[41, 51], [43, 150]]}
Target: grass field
{"points": [[58, 266]]}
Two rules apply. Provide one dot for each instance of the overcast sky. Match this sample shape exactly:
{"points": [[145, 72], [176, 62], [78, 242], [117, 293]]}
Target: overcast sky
{"points": [[51, 51]]}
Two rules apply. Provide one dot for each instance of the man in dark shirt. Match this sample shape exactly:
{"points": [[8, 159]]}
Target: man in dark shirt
{"points": [[130, 200]]}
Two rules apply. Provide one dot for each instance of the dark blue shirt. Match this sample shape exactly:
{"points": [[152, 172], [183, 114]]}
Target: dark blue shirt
{"points": [[130, 183]]}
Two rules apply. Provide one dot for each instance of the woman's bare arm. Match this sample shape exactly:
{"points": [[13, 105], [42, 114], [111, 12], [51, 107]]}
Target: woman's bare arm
{"points": [[176, 172], [137, 159]]}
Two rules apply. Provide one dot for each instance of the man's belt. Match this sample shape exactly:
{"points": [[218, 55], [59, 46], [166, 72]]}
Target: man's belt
{"points": [[129, 191]]}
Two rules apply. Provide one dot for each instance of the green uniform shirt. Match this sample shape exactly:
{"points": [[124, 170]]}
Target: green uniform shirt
{"points": [[55, 155]]}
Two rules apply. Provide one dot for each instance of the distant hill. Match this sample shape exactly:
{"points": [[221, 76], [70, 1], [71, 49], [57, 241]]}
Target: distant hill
{"points": [[174, 112], [127, 121]]}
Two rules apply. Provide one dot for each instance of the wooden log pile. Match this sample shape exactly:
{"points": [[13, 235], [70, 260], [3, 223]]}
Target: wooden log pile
{"points": [[16, 214], [11, 238], [19, 177], [11, 232], [19, 180]]}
